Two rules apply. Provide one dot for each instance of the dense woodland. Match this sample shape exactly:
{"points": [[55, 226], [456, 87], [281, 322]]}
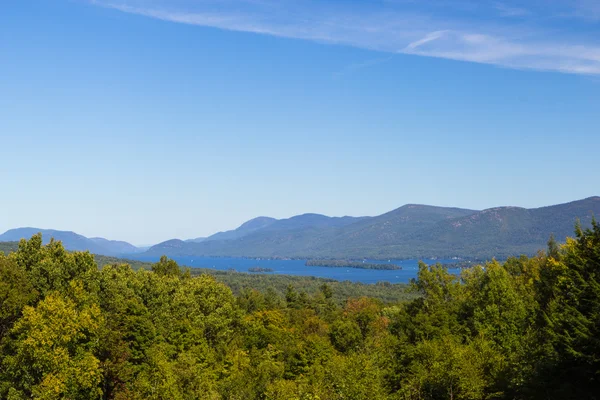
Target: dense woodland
{"points": [[524, 329]]}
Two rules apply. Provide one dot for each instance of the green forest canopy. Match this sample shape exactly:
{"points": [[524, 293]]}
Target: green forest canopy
{"points": [[526, 329]]}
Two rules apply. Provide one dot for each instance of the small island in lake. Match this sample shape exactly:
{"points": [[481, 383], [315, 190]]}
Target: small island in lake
{"points": [[350, 264], [259, 269]]}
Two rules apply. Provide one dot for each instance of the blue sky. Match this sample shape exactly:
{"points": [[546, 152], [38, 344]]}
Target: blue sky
{"points": [[148, 120]]}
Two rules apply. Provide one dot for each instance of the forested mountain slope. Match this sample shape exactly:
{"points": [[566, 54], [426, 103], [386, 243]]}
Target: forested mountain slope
{"points": [[411, 231]]}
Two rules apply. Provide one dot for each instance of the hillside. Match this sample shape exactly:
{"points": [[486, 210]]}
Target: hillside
{"points": [[389, 229], [315, 235], [266, 238], [196, 240], [505, 231], [245, 229], [411, 231], [115, 246], [72, 241]]}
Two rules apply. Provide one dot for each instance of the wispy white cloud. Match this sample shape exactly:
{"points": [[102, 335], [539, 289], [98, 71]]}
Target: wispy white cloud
{"points": [[508, 11], [478, 33], [430, 37]]}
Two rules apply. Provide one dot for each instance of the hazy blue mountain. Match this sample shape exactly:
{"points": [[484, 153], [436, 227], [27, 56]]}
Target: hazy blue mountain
{"points": [[391, 227], [263, 235], [504, 231], [312, 235], [245, 229], [311, 221], [195, 240], [116, 246], [72, 241], [173, 246]]}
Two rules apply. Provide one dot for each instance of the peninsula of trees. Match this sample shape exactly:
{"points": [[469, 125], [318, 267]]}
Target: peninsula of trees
{"points": [[350, 264], [260, 269]]}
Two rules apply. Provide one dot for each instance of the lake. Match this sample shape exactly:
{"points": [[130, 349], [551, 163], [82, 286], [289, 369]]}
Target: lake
{"points": [[296, 267]]}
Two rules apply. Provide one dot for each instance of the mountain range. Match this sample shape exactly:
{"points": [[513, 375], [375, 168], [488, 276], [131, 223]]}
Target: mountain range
{"points": [[411, 231]]}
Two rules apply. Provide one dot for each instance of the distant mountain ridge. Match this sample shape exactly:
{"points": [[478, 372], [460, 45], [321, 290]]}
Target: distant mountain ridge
{"points": [[72, 241], [411, 231], [244, 229], [195, 240], [115, 246]]}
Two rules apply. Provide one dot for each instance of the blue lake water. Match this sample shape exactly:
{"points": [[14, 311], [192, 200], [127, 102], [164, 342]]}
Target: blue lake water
{"points": [[296, 267]]}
